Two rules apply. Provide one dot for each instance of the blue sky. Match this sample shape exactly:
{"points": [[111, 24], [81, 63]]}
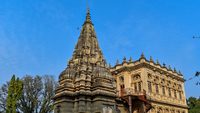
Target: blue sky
{"points": [[38, 36]]}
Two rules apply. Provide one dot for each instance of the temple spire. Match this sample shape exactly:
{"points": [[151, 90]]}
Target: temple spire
{"points": [[87, 54], [88, 17]]}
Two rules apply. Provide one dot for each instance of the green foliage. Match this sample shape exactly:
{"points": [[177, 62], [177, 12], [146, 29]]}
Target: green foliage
{"points": [[31, 94], [3, 95], [194, 105], [37, 94], [14, 93]]}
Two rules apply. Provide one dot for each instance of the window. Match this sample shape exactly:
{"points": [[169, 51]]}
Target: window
{"points": [[175, 94], [136, 77], [122, 86], [121, 79], [166, 111], [157, 89], [180, 96], [169, 92], [149, 76], [163, 90], [149, 87], [135, 87], [139, 86]]}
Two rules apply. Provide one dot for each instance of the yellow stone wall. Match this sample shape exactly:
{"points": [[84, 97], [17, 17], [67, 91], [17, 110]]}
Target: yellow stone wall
{"points": [[164, 88]]}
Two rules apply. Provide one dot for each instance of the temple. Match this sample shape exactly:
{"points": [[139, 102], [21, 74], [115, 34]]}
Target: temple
{"points": [[86, 85], [89, 85]]}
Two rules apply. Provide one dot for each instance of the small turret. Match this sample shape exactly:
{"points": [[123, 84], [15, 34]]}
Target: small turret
{"points": [[88, 18], [124, 60], [169, 67], [130, 60], [157, 62], [175, 70], [151, 59], [142, 56], [164, 65]]}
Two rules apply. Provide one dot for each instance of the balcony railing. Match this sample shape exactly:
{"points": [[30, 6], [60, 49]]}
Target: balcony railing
{"points": [[130, 91]]}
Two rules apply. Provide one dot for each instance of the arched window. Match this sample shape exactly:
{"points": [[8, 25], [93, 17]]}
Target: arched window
{"points": [[180, 95], [157, 89], [149, 87], [139, 86], [135, 87], [169, 92], [175, 96], [121, 79], [172, 111], [136, 77], [163, 90], [166, 110], [159, 110], [149, 76], [122, 86]]}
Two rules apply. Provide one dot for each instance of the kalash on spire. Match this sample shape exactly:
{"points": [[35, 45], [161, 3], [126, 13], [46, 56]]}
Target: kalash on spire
{"points": [[86, 85]]}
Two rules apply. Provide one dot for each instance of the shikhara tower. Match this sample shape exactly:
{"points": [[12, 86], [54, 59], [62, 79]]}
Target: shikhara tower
{"points": [[86, 85]]}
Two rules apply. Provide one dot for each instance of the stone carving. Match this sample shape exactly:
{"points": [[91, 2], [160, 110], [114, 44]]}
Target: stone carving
{"points": [[87, 83]]}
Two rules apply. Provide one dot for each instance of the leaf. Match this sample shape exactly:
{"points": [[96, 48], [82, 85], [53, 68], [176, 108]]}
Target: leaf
{"points": [[197, 74]]}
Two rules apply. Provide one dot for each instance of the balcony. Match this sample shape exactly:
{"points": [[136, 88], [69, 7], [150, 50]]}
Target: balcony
{"points": [[135, 100], [130, 91]]}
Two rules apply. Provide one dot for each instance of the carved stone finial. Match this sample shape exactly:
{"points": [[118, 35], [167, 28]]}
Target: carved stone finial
{"points": [[169, 67], [124, 59], [88, 18], [157, 62], [142, 56], [151, 59], [130, 60], [175, 70], [164, 65]]}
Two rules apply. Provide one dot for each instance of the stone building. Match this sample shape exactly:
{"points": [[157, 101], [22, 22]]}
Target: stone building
{"points": [[163, 86], [88, 85]]}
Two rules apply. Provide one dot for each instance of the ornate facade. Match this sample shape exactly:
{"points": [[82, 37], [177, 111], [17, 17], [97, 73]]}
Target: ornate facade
{"points": [[88, 85], [164, 87]]}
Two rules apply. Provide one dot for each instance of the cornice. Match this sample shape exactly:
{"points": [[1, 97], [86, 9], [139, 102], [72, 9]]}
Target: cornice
{"points": [[143, 63]]}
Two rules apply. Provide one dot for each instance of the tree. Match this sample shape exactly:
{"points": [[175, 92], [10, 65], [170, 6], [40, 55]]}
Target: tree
{"points": [[14, 93], [197, 75], [37, 94], [194, 105], [3, 95]]}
